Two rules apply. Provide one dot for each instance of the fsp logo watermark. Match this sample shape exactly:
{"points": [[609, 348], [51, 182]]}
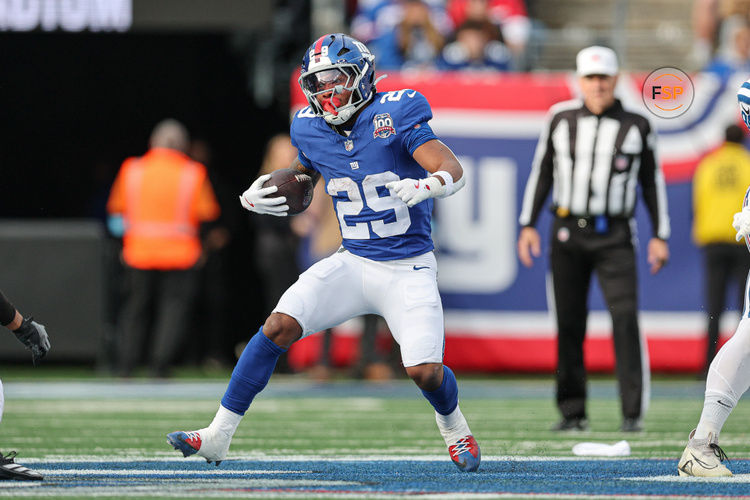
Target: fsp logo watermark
{"points": [[668, 92]]}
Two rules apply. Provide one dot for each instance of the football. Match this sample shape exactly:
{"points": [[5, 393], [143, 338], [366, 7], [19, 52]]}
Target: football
{"points": [[296, 186]]}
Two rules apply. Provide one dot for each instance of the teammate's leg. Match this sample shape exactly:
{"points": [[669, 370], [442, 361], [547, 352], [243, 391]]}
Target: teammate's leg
{"points": [[728, 379], [9, 469], [411, 306]]}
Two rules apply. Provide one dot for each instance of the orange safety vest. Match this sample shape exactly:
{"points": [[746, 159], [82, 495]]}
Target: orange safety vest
{"points": [[163, 197]]}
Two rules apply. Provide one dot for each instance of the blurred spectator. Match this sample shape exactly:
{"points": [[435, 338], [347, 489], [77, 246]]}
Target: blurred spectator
{"points": [[705, 25], [103, 176], [714, 24], [419, 41], [276, 244], [163, 197], [719, 181], [374, 364], [509, 15], [473, 50], [735, 57], [214, 337], [402, 33]]}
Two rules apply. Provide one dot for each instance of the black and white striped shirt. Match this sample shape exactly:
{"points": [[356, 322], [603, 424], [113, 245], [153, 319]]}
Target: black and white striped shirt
{"points": [[594, 163]]}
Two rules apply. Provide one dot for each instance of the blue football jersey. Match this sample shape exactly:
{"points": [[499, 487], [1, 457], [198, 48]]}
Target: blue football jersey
{"points": [[355, 168], [743, 95]]}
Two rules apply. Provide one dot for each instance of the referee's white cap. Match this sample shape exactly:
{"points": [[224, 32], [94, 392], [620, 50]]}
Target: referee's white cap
{"points": [[596, 60]]}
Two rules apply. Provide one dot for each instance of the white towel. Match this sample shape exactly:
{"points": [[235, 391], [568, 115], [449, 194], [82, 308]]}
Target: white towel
{"points": [[619, 449]]}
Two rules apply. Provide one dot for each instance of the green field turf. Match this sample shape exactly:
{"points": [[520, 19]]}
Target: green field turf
{"points": [[297, 417], [294, 419]]}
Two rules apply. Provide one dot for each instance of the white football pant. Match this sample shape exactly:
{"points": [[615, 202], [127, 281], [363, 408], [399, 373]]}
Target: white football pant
{"points": [[344, 286]]}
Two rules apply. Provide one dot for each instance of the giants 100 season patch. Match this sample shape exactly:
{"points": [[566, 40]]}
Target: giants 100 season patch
{"points": [[383, 126]]}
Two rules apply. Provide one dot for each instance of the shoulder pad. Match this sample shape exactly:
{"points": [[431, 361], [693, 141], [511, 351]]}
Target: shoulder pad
{"points": [[408, 107], [305, 112]]}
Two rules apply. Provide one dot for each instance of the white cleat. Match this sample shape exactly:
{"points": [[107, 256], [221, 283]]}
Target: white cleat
{"points": [[9, 469], [213, 446], [702, 458]]}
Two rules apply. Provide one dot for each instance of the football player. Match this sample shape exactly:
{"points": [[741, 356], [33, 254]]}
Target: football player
{"points": [[382, 165], [729, 373], [34, 337]]}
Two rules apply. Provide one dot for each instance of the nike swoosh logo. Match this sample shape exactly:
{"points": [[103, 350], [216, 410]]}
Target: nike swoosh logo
{"points": [[723, 404], [420, 267], [412, 94], [702, 463]]}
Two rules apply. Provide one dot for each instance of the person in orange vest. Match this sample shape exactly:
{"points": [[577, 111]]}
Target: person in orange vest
{"points": [[161, 198]]}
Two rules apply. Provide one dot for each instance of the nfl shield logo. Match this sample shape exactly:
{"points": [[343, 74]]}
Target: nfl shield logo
{"points": [[621, 162], [348, 144]]}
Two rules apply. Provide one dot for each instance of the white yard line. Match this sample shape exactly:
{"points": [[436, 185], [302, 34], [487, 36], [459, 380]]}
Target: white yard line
{"points": [[136, 459]]}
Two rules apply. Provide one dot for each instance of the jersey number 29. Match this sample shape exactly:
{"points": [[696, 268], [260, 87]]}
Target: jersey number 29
{"points": [[376, 203]]}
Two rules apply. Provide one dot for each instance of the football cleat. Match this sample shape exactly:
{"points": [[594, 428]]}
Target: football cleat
{"points": [[204, 443], [571, 424], [631, 424], [465, 453], [702, 458], [9, 469]]}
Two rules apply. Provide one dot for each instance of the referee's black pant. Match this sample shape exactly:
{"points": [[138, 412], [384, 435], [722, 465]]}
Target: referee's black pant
{"points": [[577, 250]]}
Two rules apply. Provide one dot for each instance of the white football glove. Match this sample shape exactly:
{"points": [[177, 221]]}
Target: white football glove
{"points": [[254, 199], [413, 191], [741, 223]]}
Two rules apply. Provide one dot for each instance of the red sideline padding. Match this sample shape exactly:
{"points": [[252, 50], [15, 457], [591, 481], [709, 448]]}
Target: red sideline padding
{"points": [[485, 354], [500, 92], [483, 91]]}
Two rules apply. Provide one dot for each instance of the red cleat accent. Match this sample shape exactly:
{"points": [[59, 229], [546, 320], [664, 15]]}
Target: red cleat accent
{"points": [[194, 440], [465, 454]]}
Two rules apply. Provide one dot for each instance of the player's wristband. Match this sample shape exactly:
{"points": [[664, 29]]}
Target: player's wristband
{"points": [[450, 187]]}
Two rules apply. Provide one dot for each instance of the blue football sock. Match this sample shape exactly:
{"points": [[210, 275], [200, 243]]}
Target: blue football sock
{"points": [[445, 398], [251, 373]]}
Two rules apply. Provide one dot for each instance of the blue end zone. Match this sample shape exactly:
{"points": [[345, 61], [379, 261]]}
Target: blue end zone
{"points": [[390, 477]]}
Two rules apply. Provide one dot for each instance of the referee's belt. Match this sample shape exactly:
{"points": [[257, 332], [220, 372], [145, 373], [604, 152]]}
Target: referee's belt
{"points": [[597, 223]]}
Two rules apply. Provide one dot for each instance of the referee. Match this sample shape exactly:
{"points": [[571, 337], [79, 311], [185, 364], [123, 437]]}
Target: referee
{"points": [[593, 154]]}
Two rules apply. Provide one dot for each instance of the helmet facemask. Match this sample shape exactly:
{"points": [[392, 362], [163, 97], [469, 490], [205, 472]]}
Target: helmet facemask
{"points": [[324, 87]]}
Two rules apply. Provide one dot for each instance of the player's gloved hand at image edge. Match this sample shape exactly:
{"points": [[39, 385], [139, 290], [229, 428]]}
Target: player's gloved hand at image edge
{"points": [[413, 191], [34, 336], [254, 199], [741, 223]]}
